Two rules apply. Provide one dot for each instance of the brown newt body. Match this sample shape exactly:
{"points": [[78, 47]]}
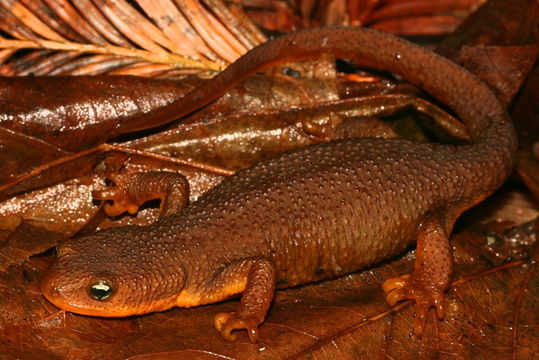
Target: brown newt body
{"points": [[317, 212]]}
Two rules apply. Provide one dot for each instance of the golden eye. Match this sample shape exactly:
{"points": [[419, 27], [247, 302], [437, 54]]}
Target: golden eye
{"points": [[100, 290]]}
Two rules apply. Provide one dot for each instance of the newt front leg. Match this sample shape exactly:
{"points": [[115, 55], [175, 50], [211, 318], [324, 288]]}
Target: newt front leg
{"points": [[255, 302], [253, 277]]}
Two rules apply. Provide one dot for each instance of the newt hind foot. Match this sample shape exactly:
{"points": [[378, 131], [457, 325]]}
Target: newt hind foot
{"points": [[225, 323], [410, 287]]}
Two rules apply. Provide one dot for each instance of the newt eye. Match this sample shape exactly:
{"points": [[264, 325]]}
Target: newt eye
{"points": [[291, 72], [101, 290]]}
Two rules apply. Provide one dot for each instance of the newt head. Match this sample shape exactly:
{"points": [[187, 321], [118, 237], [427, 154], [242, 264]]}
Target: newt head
{"points": [[113, 273]]}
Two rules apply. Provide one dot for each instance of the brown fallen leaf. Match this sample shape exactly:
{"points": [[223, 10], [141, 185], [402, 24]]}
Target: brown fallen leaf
{"points": [[75, 114], [24, 241], [496, 48], [21, 154], [240, 139], [496, 22], [503, 68], [403, 17]]}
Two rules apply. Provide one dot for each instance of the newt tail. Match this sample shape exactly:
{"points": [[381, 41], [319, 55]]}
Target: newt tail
{"points": [[313, 213]]}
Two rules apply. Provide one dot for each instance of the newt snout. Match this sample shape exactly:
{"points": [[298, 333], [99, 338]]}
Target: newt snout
{"points": [[108, 283]]}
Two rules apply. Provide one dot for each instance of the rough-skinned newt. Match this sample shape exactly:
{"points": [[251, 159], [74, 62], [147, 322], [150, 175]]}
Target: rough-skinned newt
{"points": [[316, 212]]}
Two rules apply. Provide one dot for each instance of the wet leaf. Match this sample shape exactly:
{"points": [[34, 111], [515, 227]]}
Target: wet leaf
{"points": [[238, 140], [24, 241], [21, 153], [75, 114]]}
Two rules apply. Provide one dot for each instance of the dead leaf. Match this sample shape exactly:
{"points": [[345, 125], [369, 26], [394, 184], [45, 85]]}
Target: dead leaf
{"points": [[24, 241], [404, 17], [503, 68], [75, 114], [21, 153]]}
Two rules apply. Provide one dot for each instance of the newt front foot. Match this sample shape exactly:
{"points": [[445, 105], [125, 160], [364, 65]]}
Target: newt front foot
{"points": [[225, 323], [131, 190], [118, 194], [421, 291]]}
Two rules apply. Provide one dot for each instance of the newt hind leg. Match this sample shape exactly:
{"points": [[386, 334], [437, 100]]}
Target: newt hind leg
{"points": [[131, 190], [431, 276]]}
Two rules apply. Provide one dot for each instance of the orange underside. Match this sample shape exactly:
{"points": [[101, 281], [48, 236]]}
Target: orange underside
{"points": [[189, 298]]}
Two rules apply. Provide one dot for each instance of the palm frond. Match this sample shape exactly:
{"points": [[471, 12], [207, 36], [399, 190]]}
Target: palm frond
{"points": [[140, 37]]}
